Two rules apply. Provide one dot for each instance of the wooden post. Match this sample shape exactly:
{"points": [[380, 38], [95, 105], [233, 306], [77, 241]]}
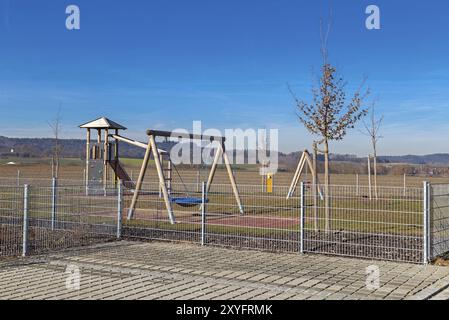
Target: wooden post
{"points": [[298, 171], [116, 158], [301, 168], [218, 154], [231, 177], [160, 173], [143, 170], [106, 158], [160, 185], [87, 159]]}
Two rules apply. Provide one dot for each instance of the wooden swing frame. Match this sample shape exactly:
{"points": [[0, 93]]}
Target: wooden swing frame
{"points": [[311, 163], [152, 149]]}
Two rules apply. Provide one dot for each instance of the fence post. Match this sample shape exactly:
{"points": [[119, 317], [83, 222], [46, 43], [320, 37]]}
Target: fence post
{"points": [[119, 208], [405, 184], [25, 221], [302, 219], [203, 213], [18, 178], [197, 180], [54, 186], [426, 222]]}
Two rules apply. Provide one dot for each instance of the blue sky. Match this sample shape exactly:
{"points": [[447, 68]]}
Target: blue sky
{"points": [[165, 63]]}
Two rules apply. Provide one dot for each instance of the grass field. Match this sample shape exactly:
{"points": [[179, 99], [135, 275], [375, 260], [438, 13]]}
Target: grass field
{"points": [[73, 169]]}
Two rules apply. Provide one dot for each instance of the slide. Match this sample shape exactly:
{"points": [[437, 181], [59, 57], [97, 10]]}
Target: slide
{"points": [[122, 174]]}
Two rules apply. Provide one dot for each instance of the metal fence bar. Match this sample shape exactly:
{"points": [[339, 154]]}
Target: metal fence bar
{"points": [[54, 196], [119, 208], [425, 222], [25, 221], [302, 220], [203, 213], [438, 229]]}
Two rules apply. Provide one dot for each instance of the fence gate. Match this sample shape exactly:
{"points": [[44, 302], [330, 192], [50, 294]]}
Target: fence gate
{"points": [[439, 220]]}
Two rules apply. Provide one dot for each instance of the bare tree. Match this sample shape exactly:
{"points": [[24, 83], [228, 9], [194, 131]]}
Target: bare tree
{"points": [[55, 126], [329, 115], [372, 130]]}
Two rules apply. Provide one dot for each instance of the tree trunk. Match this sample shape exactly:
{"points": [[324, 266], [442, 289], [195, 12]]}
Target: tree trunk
{"points": [[327, 203], [315, 186], [375, 172], [369, 178]]}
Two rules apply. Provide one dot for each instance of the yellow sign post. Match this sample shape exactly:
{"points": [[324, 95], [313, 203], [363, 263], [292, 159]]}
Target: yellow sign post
{"points": [[270, 183]]}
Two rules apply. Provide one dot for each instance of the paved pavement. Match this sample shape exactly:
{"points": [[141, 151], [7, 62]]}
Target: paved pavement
{"points": [[135, 270]]}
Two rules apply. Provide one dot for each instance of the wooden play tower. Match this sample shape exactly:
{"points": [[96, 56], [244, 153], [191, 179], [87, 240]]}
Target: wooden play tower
{"points": [[102, 153]]}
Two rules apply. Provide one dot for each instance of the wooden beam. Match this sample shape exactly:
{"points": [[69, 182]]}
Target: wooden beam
{"points": [[160, 173], [298, 171], [116, 158], [231, 178], [87, 157], [213, 169], [172, 134], [143, 170], [134, 142], [106, 158]]}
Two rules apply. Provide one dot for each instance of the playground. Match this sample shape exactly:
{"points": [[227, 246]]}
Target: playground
{"points": [[218, 207]]}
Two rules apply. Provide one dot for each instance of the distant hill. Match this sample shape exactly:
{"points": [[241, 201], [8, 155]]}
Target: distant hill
{"points": [[75, 148], [435, 159], [70, 148]]}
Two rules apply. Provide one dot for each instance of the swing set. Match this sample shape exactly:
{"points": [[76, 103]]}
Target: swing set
{"points": [[104, 154]]}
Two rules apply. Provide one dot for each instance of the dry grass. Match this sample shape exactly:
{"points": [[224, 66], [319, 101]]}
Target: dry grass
{"points": [[73, 169]]}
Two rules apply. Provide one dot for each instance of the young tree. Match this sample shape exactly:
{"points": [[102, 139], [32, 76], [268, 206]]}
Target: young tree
{"points": [[372, 129], [329, 115], [55, 126]]}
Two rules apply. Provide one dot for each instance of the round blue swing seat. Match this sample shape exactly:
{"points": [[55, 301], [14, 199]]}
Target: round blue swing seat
{"points": [[188, 202]]}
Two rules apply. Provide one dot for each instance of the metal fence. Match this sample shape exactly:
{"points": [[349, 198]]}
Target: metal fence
{"points": [[36, 220], [388, 227], [438, 225], [269, 222], [11, 220], [390, 224]]}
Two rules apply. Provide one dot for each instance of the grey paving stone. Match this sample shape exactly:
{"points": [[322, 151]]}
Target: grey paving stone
{"points": [[155, 270]]}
